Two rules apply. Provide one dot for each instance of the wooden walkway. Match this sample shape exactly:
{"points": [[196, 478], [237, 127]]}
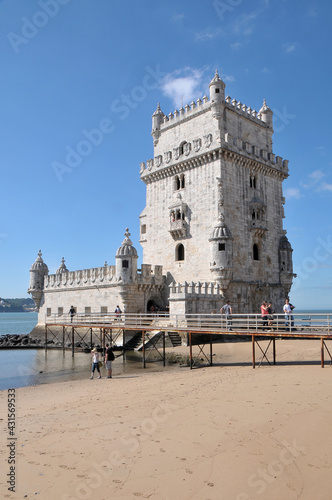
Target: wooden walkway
{"points": [[201, 331]]}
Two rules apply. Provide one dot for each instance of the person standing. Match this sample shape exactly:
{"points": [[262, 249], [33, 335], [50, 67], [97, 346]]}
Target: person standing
{"points": [[95, 362], [227, 311], [72, 313], [271, 312], [264, 313], [118, 313], [109, 357], [289, 318]]}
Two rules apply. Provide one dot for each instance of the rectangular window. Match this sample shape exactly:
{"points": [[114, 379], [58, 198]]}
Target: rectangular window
{"points": [[143, 229], [48, 311], [103, 309], [60, 311], [87, 311], [222, 247]]}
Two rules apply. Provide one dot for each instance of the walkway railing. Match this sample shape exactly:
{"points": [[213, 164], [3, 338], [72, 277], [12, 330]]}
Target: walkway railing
{"points": [[314, 324]]}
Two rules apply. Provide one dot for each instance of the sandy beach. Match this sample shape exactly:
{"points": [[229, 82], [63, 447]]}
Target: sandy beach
{"points": [[220, 432]]}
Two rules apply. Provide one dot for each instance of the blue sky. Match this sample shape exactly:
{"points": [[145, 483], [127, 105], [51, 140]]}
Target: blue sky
{"points": [[80, 80]]}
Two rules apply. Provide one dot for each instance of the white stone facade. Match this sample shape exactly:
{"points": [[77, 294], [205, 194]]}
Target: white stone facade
{"points": [[212, 226]]}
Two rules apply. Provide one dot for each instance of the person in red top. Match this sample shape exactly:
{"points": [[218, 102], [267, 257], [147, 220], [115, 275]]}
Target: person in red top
{"points": [[264, 312]]}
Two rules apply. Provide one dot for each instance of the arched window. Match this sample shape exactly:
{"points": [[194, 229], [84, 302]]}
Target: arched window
{"points": [[252, 181], [182, 181], [255, 252], [179, 253]]}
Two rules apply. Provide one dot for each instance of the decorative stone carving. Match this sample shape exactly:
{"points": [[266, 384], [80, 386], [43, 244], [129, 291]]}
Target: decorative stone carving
{"points": [[158, 160], [197, 144], [150, 164], [207, 140], [168, 156], [187, 148], [176, 153], [142, 167]]}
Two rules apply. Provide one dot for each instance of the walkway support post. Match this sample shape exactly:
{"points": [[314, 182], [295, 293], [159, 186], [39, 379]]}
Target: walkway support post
{"points": [[322, 352], [72, 341], [164, 349], [190, 351], [274, 350], [253, 351], [211, 350], [45, 338], [63, 338], [143, 339]]}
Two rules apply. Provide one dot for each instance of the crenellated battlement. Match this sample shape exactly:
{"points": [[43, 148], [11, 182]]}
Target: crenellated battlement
{"points": [[198, 148], [101, 276], [201, 289]]}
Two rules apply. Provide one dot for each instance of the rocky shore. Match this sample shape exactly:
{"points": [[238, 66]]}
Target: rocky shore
{"points": [[10, 341]]}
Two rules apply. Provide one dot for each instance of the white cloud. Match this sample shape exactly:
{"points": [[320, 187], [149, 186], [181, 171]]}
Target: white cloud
{"points": [[178, 18], [325, 187], [292, 193], [208, 34], [245, 25], [289, 47], [236, 45], [184, 85], [317, 175]]}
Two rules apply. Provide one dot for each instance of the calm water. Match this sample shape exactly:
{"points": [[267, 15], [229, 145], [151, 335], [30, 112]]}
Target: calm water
{"points": [[23, 367]]}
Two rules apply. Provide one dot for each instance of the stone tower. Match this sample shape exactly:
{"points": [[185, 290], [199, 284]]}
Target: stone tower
{"points": [[38, 271], [214, 206]]}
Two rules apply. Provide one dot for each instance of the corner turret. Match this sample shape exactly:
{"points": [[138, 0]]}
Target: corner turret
{"points": [[266, 114], [157, 120], [37, 273], [126, 261], [221, 254], [217, 95]]}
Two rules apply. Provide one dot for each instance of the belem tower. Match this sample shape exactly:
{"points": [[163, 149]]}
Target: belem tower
{"points": [[211, 230]]}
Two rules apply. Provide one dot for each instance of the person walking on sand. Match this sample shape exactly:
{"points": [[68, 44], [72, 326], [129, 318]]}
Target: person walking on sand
{"points": [[109, 357], [95, 362], [227, 311]]}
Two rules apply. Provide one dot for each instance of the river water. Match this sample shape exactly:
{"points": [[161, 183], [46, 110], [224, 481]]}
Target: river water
{"points": [[24, 367]]}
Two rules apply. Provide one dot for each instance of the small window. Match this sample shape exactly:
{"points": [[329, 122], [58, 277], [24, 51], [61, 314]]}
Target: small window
{"points": [[255, 252], [253, 181], [221, 247], [60, 311], [179, 252], [143, 229], [87, 311], [103, 309], [125, 264], [182, 182], [48, 311], [217, 91]]}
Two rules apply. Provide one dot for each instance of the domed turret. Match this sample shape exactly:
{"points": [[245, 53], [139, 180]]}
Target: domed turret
{"points": [[62, 268], [217, 95], [266, 114], [126, 260], [37, 272], [157, 120]]}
